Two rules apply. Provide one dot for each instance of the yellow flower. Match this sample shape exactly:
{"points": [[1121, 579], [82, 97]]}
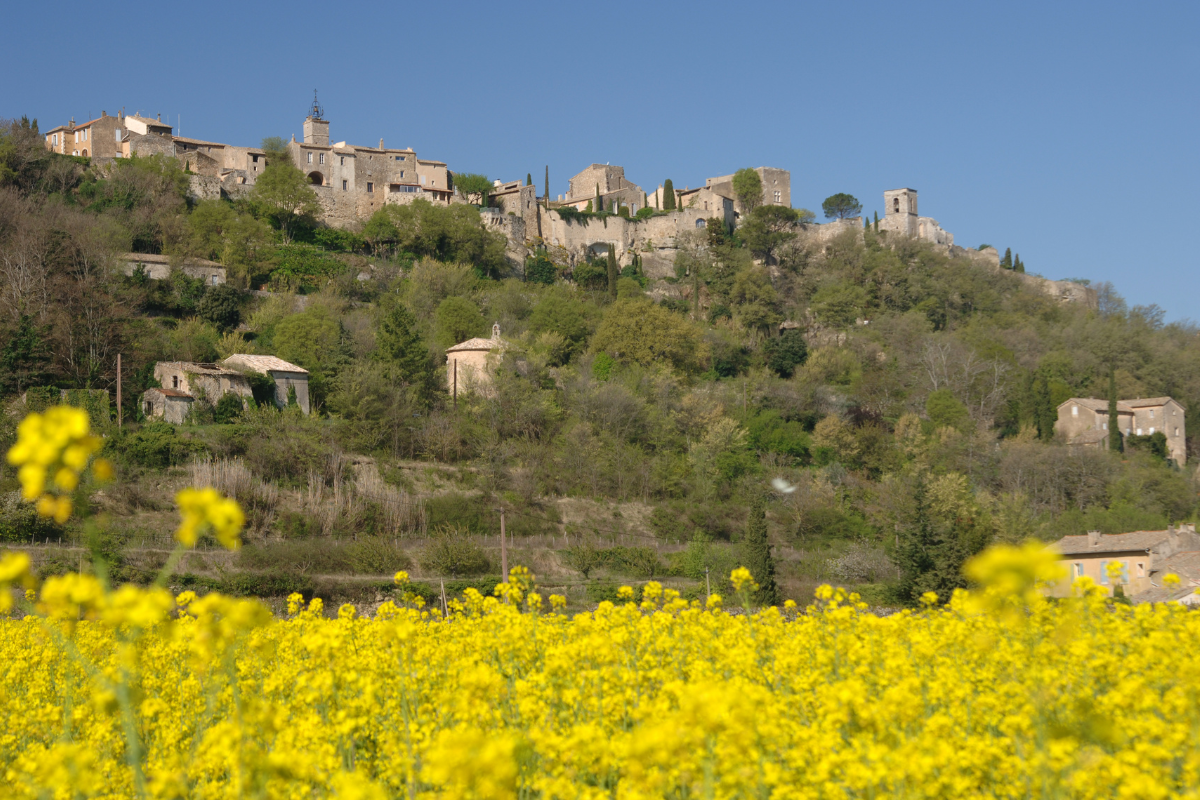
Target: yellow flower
{"points": [[558, 601], [929, 599], [1170, 579], [400, 578], [51, 454], [714, 602], [206, 508], [742, 580], [625, 593]]}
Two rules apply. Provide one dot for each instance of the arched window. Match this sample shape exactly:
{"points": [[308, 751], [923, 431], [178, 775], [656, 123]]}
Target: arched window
{"points": [[316, 179], [896, 204], [700, 223]]}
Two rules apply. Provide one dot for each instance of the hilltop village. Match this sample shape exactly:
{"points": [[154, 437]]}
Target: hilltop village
{"points": [[352, 182]]}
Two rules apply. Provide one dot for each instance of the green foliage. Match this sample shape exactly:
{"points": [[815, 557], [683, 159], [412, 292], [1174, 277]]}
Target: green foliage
{"points": [[20, 522], [455, 555], [841, 206], [283, 194], [23, 357], [591, 275], [94, 401], [839, 304], [1007, 261], [473, 186], [458, 319], [453, 233], [668, 195], [401, 349], [769, 433], [222, 306], [540, 269], [304, 267], [757, 556], [566, 315], [156, 445], [786, 353], [602, 366], [228, 408], [1155, 444], [1116, 442], [946, 411], [748, 189], [643, 333], [613, 272], [767, 228]]}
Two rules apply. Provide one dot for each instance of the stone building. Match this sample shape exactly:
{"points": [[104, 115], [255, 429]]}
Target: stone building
{"points": [[206, 382], [158, 267], [776, 184], [1143, 558], [287, 376], [99, 138], [169, 405], [611, 185], [901, 217], [1083, 421], [517, 199], [470, 364]]}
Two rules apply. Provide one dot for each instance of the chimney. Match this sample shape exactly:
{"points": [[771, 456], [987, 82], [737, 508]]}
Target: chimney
{"points": [[160, 117], [1093, 538], [103, 113], [72, 124], [1172, 539], [381, 144]]}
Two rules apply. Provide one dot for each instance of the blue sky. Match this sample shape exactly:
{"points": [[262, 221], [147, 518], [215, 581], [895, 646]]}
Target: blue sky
{"points": [[1067, 131]]}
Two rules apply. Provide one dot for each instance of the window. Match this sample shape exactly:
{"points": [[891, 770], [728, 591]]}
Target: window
{"points": [[343, 161], [118, 134], [1077, 569], [370, 187], [896, 205], [321, 158], [214, 280], [1106, 425], [345, 185], [778, 197], [1152, 431], [422, 180], [174, 381], [1177, 431], [309, 157], [254, 159], [54, 139], [1141, 569], [1139, 431], [1152, 413], [1074, 411], [699, 223], [1104, 573], [401, 173]]}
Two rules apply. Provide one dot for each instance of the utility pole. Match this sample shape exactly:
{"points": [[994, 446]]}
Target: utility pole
{"points": [[456, 384], [503, 547], [707, 587], [118, 390]]}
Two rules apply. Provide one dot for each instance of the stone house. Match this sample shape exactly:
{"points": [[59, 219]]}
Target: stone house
{"points": [[610, 183], [99, 138], [518, 199], [470, 364], [776, 184], [287, 376], [158, 267], [1083, 421], [169, 405], [1143, 557], [207, 382]]}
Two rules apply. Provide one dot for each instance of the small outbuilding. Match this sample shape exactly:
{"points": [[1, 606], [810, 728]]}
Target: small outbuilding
{"points": [[288, 377], [470, 364], [158, 267], [169, 405]]}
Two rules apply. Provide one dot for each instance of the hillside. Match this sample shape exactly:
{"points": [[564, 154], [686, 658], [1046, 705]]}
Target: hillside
{"points": [[907, 395]]}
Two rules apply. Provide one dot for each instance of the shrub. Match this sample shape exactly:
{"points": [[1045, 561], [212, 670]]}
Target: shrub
{"points": [[156, 446], [228, 409], [786, 353], [221, 305], [20, 522], [454, 554], [540, 269]]}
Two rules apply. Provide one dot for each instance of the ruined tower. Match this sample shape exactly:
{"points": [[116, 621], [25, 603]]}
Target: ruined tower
{"points": [[900, 209]]}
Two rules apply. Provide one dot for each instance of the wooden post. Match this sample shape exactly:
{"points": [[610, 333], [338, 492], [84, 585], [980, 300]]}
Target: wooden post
{"points": [[456, 384], [707, 586], [445, 609], [503, 548], [118, 390]]}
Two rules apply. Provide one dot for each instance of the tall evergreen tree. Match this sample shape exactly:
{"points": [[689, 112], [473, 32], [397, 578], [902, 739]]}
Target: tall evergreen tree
{"points": [[758, 557], [1116, 442], [1007, 262], [877, 222], [399, 346], [599, 202], [1018, 264], [23, 358], [547, 183], [529, 179], [613, 272], [668, 195]]}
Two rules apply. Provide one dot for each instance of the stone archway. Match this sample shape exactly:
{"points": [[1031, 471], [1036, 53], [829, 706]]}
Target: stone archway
{"points": [[316, 179]]}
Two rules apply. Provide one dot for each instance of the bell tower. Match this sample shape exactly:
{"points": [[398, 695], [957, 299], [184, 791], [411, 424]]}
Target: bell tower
{"points": [[316, 127]]}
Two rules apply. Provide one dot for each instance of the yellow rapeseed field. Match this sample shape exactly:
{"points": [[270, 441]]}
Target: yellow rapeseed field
{"points": [[133, 692]]}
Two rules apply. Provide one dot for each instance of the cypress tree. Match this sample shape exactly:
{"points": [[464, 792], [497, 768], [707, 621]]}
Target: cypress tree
{"points": [[613, 273], [668, 195], [599, 202], [758, 555], [1007, 262], [1116, 442], [877, 222], [1018, 264], [529, 179], [547, 183]]}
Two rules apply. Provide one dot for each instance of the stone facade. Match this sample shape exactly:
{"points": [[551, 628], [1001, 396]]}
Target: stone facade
{"points": [[470, 364], [1141, 556], [612, 186], [287, 376], [158, 267], [776, 183], [1083, 422], [207, 382], [169, 405], [654, 239], [901, 217], [100, 138]]}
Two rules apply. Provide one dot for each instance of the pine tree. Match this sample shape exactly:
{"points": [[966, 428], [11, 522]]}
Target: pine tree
{"points": [[398, 344], [758, 556], [668, 195], [1007, 262], [529, 179], [1116, 442], [613, 272]]}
